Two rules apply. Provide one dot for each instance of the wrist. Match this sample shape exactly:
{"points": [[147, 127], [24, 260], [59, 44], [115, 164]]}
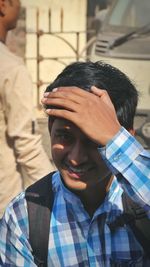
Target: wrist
{"points": [[110, 135]]}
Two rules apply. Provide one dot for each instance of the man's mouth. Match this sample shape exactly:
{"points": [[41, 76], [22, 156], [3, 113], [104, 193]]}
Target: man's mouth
{"points": [[78, 172]]}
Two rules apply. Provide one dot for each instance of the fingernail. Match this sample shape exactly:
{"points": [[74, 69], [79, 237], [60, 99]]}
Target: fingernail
{"points": [[43, 100], [55, 89], [47, 110], [46, 94]]}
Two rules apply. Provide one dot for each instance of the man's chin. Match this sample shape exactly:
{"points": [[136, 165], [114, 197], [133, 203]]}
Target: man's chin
{"points": [[73, 184]]}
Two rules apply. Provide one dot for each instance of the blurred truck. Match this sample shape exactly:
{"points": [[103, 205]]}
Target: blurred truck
{"points": [[123, 40]]}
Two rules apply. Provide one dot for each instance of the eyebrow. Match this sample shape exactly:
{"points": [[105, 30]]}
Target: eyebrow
{"points": [[61, 130]]}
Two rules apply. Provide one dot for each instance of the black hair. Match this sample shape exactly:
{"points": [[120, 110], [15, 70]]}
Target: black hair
{"points": [[121, 90]]}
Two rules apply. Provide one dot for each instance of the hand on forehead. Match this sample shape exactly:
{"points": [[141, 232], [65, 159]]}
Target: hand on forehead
{"points": [[92, 112]]}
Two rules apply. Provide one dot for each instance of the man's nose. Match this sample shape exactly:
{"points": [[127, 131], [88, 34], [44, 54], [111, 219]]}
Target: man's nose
{"points": [[78, 154]]}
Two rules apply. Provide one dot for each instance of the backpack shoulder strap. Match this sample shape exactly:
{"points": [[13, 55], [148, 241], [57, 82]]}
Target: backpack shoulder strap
{"points": [[39, 197], [136, 217]]}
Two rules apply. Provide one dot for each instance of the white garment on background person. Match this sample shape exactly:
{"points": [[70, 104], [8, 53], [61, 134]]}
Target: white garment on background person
{"points": [[20, 142]]}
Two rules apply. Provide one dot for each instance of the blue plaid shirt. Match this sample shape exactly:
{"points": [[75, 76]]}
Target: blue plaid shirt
{"points": [[75, 239]]}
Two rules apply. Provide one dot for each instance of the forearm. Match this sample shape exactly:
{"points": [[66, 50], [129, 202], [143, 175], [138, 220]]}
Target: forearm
{"points": [[131, 165]]}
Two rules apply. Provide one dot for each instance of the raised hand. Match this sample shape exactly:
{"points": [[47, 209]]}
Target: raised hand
{"points": [[93, 112]]}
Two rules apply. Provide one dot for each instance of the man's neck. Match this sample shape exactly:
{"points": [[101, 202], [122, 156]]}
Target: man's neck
{"points": [[94, 197], [94, 200], [3, 35], [2, 41]]}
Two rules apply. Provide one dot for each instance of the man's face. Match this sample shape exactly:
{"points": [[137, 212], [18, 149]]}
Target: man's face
{"points": [[12, 13], [76, 157]]}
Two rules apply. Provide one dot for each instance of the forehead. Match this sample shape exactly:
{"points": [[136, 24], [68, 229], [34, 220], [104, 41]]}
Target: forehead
{"points": [[65, 125]]}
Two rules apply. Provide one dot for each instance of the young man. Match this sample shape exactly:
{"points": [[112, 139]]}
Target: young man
{"points": [[91, 108], [20, 143]]}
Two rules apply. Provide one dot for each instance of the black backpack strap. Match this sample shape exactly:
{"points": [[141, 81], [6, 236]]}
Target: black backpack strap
{"points": [[136, 217], [39, 198], [139, 222]]}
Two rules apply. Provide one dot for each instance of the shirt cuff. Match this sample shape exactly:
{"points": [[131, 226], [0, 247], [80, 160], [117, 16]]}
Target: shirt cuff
{"points": [[120, 152]]}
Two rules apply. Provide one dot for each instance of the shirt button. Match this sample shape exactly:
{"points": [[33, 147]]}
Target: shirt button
{"points": [[117, 157]]}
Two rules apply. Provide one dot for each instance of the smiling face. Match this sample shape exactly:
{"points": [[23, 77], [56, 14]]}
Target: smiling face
{"points": [[76, 157]]}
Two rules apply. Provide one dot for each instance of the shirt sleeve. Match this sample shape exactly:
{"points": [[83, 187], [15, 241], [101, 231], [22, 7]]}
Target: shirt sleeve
{"points": [[15, 249], [128, 160], [22, 125]]}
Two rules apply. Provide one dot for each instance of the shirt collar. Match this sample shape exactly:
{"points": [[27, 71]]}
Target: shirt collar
{"points": [[75, 203]]}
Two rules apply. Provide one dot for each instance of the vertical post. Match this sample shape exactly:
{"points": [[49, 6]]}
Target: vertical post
{"points": [[77, 44], [38, 69], [50, 20], [61, 19]]}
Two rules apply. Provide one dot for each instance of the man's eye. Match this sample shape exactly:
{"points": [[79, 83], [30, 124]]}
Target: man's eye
{"points": [[64, 138], [89, 143]]}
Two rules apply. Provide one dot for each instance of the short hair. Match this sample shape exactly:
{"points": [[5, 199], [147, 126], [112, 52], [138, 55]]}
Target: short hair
{"points": [[121, 90]]}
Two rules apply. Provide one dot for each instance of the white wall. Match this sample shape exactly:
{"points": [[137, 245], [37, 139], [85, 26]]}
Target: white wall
{"points": [[74, 19]]}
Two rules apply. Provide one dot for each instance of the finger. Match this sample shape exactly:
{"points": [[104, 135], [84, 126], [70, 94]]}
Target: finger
{"points": [[99, 92], [68, 102], [102, 93], [65, 114], [47, 99], [71, 90], [63, 103], [62, 93]]}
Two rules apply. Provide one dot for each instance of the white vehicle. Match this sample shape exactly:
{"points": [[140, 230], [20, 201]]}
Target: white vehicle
{"points": [[123, 40]]}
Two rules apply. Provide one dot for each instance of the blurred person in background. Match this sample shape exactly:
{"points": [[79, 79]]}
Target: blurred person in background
{"points": [[20, 142], [101, 15]]}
